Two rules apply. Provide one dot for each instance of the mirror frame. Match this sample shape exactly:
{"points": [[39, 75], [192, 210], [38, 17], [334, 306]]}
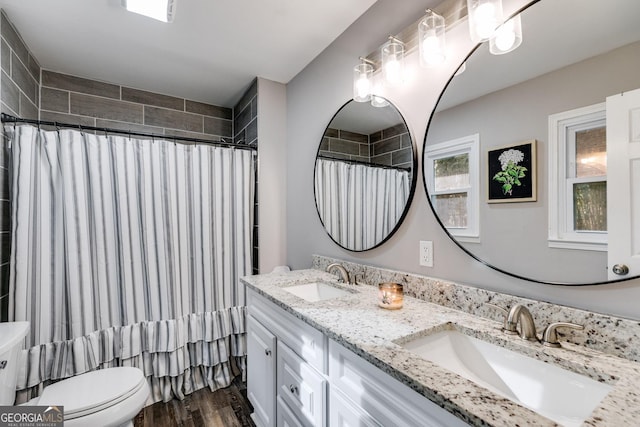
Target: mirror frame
{"points": [[435, 214], [414, 177]]}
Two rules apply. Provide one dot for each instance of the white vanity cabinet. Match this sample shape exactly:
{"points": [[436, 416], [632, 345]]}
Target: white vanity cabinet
{"points": [[363, 395], [298, 377], [287, 365]]}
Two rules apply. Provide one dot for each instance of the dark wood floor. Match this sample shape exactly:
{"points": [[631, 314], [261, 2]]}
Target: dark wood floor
{"points": [[227, 407]]}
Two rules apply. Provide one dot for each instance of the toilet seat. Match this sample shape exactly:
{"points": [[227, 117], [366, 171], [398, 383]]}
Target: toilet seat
{"points": [[94, 391]]}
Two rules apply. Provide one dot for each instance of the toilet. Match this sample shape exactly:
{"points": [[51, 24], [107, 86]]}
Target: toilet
{"points": [[106, 397]]}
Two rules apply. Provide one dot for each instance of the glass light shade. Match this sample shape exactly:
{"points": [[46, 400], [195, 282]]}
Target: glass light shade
{"points": [[162, 10], [393, 62], [507, 37], [485, 16], [431, 40], [362, 74]]}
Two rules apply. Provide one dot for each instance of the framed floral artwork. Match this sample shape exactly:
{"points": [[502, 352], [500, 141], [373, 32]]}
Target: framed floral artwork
{"points": [[511, 173]]}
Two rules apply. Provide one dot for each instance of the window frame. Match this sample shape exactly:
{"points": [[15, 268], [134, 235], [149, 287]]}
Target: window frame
{"points": [[562, 129], [465, 145]]}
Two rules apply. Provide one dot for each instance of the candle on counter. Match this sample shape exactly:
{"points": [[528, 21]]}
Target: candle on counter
{"points": [[390, 295]]}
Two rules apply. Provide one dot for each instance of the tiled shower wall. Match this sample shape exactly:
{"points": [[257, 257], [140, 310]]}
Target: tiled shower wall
{"points": [[245, 123], [70, 99], [389, 147], [19, 96], [28, 92]]}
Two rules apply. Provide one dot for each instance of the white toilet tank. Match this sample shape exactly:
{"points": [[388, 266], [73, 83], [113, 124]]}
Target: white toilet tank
{"points": [[11, 336]]}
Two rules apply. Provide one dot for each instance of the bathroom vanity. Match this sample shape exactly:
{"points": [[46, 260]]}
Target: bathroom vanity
{"points": [[332, 358]]}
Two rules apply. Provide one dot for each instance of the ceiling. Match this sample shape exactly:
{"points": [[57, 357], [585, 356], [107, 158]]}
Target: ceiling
{"points": [[210, 53]]}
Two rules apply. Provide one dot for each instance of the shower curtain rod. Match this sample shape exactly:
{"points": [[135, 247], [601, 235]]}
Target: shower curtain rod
{"points": [[6, 118], [358, 162]]}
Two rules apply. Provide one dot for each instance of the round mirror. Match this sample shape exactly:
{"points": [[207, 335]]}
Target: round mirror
{"points": [[519, 161], [364, 174]]}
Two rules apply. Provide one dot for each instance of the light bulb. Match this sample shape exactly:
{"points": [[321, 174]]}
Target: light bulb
{"points": [[505, 36], [432, 53], [363, 87], [392, 68], [362, 74], [485, 19]]}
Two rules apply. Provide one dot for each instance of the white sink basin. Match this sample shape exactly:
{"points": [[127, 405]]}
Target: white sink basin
{"points": [[561, 395], [317, 291]]}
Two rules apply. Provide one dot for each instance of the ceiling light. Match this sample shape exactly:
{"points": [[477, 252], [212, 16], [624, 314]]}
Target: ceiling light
{"points": [[431, 39], [484, 17], [362, 74], [162, 10], [393, 61], [507, 37]]}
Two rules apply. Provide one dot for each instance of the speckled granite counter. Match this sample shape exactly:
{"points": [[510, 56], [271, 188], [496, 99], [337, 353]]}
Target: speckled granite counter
{"points": [[356, 322]]}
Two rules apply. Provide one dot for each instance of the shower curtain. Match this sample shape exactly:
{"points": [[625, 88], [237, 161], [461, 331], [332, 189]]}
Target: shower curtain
{"points": [[127, 252], [360, 204]]}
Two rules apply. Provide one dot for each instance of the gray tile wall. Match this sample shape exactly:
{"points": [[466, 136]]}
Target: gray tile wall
{"points": [[71, 99], [245, 123], [392, 147], [19, 97], [388, 147]]}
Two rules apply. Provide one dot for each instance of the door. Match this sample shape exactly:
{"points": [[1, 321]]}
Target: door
{"points": [[261, 373], [623, 186]]}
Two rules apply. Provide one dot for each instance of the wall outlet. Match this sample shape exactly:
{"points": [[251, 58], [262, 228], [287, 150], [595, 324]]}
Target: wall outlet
{"points": [[426, 253]]}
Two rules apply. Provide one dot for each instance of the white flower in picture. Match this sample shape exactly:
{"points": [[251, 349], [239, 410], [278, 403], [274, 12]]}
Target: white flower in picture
{"points": [[511, 173]]}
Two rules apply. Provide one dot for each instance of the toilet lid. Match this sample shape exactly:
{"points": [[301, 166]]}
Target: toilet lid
{"points": [[93, 391]]}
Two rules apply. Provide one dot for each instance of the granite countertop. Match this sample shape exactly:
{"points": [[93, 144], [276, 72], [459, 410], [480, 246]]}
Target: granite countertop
{"points": [[356, 322]]}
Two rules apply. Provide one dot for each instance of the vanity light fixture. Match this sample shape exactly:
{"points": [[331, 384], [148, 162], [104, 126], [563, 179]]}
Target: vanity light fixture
{"points": [[431, 39], [507, 37], [485, 16], [162, 10], [392, 53], [362, 85]]}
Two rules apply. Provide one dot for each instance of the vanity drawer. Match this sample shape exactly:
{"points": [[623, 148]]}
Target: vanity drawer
{"points": [[385, 399], [308, 342], [301, 387]]}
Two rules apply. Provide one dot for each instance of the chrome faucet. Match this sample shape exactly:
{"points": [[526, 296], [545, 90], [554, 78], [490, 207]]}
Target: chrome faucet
{"points": [[344, 274], [520, 314]]}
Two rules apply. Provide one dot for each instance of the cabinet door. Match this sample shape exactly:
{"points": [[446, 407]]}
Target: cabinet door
{"points": [[301, 387], [285, 417], [261, 372], [344, 413]]}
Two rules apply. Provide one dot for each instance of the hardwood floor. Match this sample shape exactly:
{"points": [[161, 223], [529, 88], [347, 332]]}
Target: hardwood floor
{"points": [[227, 407]]}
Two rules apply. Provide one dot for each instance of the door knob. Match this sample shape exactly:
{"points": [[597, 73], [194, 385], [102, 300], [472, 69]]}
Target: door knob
{"points": [[620, 269]]}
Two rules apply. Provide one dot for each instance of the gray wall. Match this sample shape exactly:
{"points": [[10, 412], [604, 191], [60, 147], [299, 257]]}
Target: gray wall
{"points": [[521, 113], [245, 125], [76, 100], [322, 88], [19, 95], [388, 147]]}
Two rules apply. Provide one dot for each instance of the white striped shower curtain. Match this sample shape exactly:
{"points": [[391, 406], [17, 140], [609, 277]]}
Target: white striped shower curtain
{"points": [[360, 204], [127, 252]]}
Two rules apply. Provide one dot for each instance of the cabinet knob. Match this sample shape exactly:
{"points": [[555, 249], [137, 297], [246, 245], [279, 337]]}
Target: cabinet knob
{"points": [[293, 389], [267, 352], [620, 269]]}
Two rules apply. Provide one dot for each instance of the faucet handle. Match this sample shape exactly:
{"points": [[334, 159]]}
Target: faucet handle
{"points": [[503, 310], [550, 335]]}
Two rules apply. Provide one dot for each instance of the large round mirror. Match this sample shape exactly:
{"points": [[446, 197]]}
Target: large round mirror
{"points": [[522, 157], [364, 174]]}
